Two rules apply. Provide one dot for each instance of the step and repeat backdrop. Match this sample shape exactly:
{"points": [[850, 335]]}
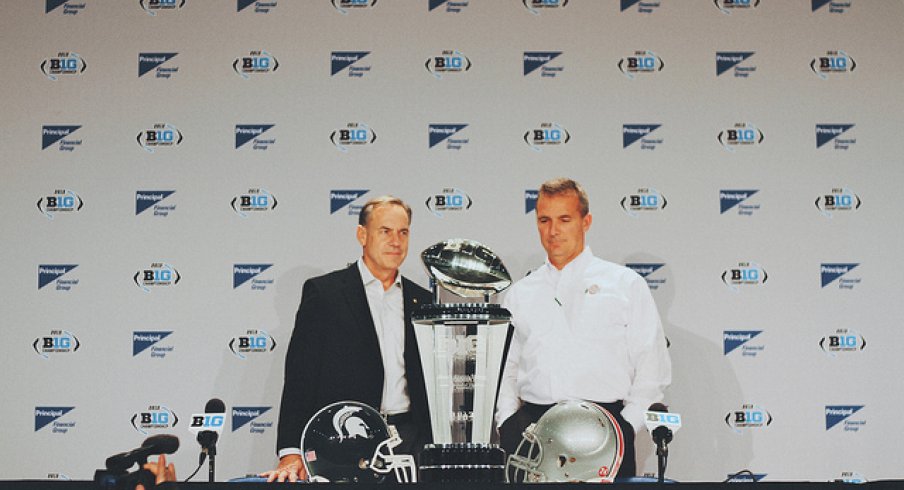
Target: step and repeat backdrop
{"points": [[173, 171]]}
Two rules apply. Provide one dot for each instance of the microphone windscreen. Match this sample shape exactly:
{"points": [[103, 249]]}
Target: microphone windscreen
{"points": [[658, 407], [215, 405], [162, 444]]}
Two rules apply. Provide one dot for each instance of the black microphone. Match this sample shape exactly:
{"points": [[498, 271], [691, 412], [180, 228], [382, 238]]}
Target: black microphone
{"points": [[208, 438], [662, 435], [159, 444]]}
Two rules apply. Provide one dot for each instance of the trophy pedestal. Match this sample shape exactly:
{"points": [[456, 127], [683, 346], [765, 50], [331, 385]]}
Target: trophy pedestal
{"points": [[466, 462]]}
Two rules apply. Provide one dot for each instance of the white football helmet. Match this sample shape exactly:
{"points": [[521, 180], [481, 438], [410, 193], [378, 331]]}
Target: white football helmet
{"points": [[574, 441], [350, 442]]}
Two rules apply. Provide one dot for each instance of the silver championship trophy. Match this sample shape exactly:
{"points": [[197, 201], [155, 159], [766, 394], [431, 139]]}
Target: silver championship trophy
{"points": [[462, 347]]}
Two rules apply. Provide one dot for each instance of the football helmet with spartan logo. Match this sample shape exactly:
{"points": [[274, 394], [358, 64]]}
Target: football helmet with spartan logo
{"points": [[350, 442], [572, 442]]}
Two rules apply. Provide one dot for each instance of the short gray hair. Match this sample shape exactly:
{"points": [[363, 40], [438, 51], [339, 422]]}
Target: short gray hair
{"points": [[562, 185], [377, 202]]}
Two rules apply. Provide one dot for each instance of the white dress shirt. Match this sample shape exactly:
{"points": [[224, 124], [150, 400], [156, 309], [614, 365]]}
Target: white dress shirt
{"points": [[590, 331]]}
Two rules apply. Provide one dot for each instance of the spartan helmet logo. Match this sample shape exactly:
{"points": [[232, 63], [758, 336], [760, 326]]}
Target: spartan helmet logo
{"points": [[348, 425]]}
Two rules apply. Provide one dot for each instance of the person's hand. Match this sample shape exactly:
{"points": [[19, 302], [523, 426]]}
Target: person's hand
{"points": [[160, 470], [290, 468]]}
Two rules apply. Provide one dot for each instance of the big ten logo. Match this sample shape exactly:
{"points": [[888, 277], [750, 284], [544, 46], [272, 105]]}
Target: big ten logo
{"points": [[841, 341], [462, 346], [727, 6], [57, 342], [748, 417], [548, 134], [449, 61], [839, 199], [343, 5], [353, 134], [207, 421], [152, 6], [160, 135], [154, 418], [533, 5], [640, 62], [449, 200], [252, 342], [833, 62], [254, 201], [645, 199], [662, 418], [63, 64], [61, 201], [158, 274], [745, 274], [256, 62], [741, 134]]}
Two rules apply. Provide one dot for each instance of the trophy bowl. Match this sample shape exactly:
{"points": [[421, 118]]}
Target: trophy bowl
{"points": [[466, 268]]}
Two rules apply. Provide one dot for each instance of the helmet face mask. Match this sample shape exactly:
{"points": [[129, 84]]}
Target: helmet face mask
{"points": [[350, 442], [574, 441]]}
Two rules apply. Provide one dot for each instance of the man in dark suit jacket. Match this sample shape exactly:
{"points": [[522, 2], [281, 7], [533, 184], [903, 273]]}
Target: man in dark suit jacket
{"points": [[354, 341]]}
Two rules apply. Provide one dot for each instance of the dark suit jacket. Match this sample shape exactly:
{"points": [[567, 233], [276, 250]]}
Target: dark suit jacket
{"points": [[334, 353]]}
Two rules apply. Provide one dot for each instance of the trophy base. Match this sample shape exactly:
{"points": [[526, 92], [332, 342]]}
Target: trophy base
{"points": [[464, 462]]}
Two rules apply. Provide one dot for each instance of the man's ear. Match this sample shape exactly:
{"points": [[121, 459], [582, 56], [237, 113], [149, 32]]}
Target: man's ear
{"points": [[361, 234]]}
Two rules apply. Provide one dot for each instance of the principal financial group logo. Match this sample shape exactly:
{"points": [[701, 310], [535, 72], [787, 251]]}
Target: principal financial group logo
{"points": [[348, 60], [242, 416], [145, 200], [530, 200], [548, 134], [148, 62], [251, 274], [341, 198], [69, 8], [62, 201], [748, 417], [154, 6], [541, 59], [832, 63], [728, 7], [45, 416], [830, 133], [632, 133], [56, 342], [157, 275], [842, 341], [835, 7], [64, 64], [53, 274], [745, 274], [252, 342], [643, 62], [737, 198], [149, 340], [449, 61], [354, 134], [255, 201], [439, 133], [843, 415], [161, 135], [838, 273], [647, 271], [259, 7], [452, 6], [732, 340], [839, 199], [449, 200], [255, 63], [643, 7], [253, 132], [155, 417], [51, 135], [742, 134], [645, 199], [728, 60]]}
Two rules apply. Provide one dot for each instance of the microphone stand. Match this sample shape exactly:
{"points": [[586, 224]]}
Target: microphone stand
{"points": [[662, 436], [211, 463]]}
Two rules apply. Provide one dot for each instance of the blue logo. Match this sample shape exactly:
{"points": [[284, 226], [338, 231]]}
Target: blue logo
{"points": [[437, 133], [259, 7], [839, 199], [252, 342], [830, 273], [50, 273], [144, 200], [64, 64], [732, 339], [740, 135], [835, 7], [852, 477], [154, 6], [826, 133], [534, 6], [158, 275], [149, 61], [242, 273], [61, 201], [256, 200], [341, 198], [833, 63], [640, 63], [548, 134], [726, 60], [631, 133], [144, 340], [68, 8], [161, 135], [57, 342], [452, 6], [729, 6], [842, 340], [449, 200], [344, 5], [340, 60], [744, 275], [642, 7], [645, 270], [449, 61], [156, 417], [242, 416], [743, 477], [541, 59], [248, 132], [644, 200], [53, 134], [44, 416], [836, 414], [729, 198], [530, 200], [353, 134], [748, 417], [257, 62]]}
